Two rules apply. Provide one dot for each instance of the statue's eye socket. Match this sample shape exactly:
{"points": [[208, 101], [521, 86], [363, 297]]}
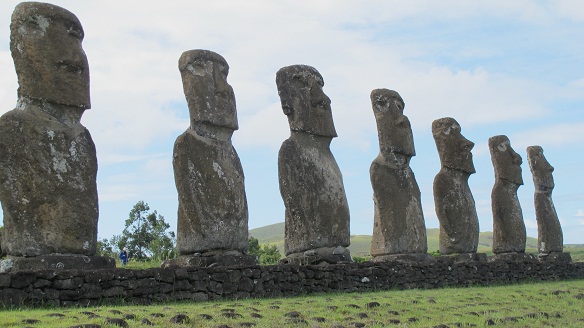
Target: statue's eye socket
{"points": [[382, 103], [73, 30], [299, 80], [32, 24]]}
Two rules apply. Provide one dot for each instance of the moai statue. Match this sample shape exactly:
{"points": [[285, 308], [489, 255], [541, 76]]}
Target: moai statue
{"points": [[212, 206], [311, 184], [550, 241], [48, 163], [509, 234], [399, 230], [455, 206]]}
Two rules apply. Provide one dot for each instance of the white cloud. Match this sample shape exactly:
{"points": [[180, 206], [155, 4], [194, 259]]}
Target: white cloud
{"points": [[580, 217], [550, 135], [572, 9]]}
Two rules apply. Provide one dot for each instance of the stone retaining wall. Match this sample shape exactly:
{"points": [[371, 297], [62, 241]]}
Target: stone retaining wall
{"points": [[89, 287]]}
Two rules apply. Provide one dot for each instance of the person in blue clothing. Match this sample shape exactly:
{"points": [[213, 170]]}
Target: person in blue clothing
{"points": [[124, 256]]}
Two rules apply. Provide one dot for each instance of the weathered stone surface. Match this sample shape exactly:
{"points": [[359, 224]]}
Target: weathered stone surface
{"points": [[399, 226], [409, 258], [555, 257], [455, 206], [322, 255], [509, 235], [463, 258], [311, 184], [48, 164], [549, 231], [212, 213], [513, 257], [56, 262], [208, 261]]}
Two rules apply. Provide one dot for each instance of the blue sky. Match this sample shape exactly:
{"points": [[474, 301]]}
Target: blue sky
{"points": [[498, 67]]}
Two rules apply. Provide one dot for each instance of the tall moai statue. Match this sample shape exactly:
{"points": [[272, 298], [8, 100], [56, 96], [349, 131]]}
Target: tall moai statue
{"points": [[48, 162], [399, 227], [212, 207], [550, 240], [455, 206], [509, 233], [311, 184]]}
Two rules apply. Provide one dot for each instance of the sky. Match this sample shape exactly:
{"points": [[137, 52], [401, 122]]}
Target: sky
{"points": [[498, 67]]}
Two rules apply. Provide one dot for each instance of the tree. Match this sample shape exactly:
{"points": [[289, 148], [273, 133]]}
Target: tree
{"points": [[145, 235], [267, 254], [253, 247], [105, 248]]}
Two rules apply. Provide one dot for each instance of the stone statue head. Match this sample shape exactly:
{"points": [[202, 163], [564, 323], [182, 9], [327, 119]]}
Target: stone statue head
{"points": [[395, 133], [541, 170], [453, 148], [210, 98], [45, 42], [506, 161], [304, 102]]}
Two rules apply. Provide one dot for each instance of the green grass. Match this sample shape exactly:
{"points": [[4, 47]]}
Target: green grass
{"points": [[558, 304], [576, 251], [139, 265]]}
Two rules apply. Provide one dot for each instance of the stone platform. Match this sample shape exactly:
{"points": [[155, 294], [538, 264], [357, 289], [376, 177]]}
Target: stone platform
{"points": [[323, 255], [204, 261], [412, 257], [555, 257], [513, 257], [56, 262], [464, 257]]}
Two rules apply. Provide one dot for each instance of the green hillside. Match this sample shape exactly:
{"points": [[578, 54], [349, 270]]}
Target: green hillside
{"points": [[361, 244]]}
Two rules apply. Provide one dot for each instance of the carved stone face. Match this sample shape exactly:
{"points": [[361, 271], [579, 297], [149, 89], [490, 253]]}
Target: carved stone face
{"points": [[304, 102], [506, 161], [453, 148], [394, 129], [541, 170], [51, 65], [210, 98]]}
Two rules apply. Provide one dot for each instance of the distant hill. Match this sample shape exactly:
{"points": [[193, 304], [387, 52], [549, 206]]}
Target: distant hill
{"points": [[361, 244]]}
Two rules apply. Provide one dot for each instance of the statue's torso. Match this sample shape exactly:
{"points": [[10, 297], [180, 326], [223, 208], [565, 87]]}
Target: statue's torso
{"points": [[212, 210], [311, 185], [399, 221], [48, 185], [550, 235], [509, 233], [455, 208]]}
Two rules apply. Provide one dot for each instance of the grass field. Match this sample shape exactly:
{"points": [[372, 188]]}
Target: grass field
{"points": [[552, 304]]}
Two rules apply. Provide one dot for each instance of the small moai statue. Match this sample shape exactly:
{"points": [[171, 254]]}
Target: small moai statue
{"points": [[212, 224], [509, 235], [48, 163], [550, 240], [311, 184], [399, 231], [454, 204]]}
